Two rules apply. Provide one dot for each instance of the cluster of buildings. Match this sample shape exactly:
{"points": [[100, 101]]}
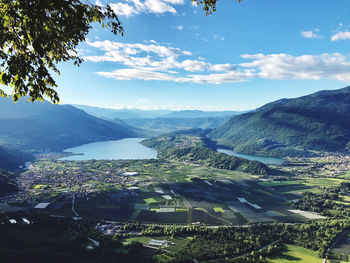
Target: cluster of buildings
{"points": [[115, 229], [154, 243], [336, 164], [79, 179], [327, 165]]}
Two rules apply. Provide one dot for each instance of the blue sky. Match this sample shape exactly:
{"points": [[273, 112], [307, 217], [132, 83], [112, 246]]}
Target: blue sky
{"points": [[243, 56]]}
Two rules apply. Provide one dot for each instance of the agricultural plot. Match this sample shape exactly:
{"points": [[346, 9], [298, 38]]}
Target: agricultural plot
{"points": [[165, 192], [303, 184], [293, 254], [308, 214], [249, 214]]}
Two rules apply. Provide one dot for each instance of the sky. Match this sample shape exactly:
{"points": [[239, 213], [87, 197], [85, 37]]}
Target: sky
{"points": [[245, 55]]}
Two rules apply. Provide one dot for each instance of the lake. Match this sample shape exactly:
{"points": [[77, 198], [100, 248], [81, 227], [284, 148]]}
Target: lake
{"points": [[263, 159], [129, 148]]}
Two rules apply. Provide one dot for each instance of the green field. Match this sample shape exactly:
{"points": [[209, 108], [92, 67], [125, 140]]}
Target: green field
{"points": [[302, 185], [294, 253], [150, 200], [196, 192]]}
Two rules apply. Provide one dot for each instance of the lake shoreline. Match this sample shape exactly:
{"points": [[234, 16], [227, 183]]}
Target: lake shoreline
{"points": [[123, 149], [264, 159]]}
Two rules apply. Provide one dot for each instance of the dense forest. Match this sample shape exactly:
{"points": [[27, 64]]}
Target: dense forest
{"points": [[326, 202], [36, 237], [39, 238], [232, 243]]}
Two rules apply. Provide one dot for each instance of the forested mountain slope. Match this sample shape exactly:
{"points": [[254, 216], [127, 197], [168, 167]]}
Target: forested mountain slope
{"points": [[44, 126], [165, 125], [320, 122]]}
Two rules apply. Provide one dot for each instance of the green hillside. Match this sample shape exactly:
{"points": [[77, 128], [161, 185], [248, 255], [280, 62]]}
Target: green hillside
{"points": [[191, 148], [166, 125], [317, 122], [43, 126]]}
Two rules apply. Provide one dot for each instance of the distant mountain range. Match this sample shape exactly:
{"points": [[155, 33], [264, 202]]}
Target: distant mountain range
{"points": [[122, 113], [157, 126], [156, 122], [317, 122], [201, 114], [44, 126], [143, 114]]}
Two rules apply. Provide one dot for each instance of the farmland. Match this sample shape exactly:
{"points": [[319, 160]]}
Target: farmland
{"points": [[293, 253], [160, 191], [195, 207]]}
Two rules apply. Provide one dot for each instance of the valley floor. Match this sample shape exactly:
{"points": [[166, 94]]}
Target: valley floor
{"points": [[139, 194]]}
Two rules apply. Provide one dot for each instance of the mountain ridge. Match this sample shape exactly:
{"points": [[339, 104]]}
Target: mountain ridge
{"points": [[44, 126], [315, 122], [149, 114]]}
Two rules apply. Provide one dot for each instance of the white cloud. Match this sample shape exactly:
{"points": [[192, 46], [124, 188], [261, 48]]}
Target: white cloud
{"points": [[154, 61], [150, 74], [309, 34], [219, 78], [305, 67], [341, 36], [136, 73], [175, 2], [134, 7], [180, 27], [193, 65], [217, 37], [151, 41], [123, 9], [98, 2], [222, 67], [157, 6], [161, 51]]}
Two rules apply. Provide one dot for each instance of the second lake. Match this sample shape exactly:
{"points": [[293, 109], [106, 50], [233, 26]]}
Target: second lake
{"points": [[263, 159]]}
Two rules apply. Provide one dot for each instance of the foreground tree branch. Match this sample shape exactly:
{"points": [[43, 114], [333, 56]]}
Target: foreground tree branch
{"points": [[209, 6], [35, 35]]}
